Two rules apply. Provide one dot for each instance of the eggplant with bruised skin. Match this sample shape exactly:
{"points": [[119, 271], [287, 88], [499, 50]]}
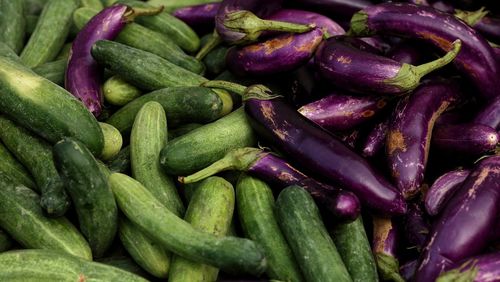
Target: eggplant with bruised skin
{"points": [[384, 247], [443, 189], [375, 141]]}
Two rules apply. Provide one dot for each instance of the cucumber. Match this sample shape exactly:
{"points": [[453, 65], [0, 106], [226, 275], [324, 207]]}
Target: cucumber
{"points": [[30, 24], [5, 241], [53, 71], [113, 141], [148, 137], [215, 60], [124, 263], [354, 248], [210, 210], [50, 33], [181, 104], [121, 162], [231, 254], [151, 256], [306, 234], [12, 24], [33, 7], [36, 155], [7, 52], [171, 5], [183, 129], [12, 169], [65, 50], [92, 4], [24, 220], [48, 265], [91, 195], [118, 92], [207, 144], [256, 213], [175, 29], [45, 108]]}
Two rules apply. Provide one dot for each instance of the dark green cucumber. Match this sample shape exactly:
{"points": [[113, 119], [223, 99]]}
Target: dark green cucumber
{"points": [[306, 234], [354, 248], [124, 263], [12, 24], [36, 155], [24, 220], [121, 162], [92, 4], [33, 7], [7, 52], [5, 241], [118, 92], [215, 60], [171, 5], [50, 33], [207, 144], [90, 193], [45, 108], [53, 71], [113, 141], [210, 210], [48, 265], [183, 129], [231, 254], [12, 169], [175, 29], [256, 213], [148, 137], [181, 104]]}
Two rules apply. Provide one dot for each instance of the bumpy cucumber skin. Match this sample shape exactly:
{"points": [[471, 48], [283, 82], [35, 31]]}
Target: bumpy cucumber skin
{"points": [[53, 71], [50, 33], [91, 195], [12, 24], [113, 141], [24, 220], [256, 212], [12, 169], [207, 144], [118, 92], [48, 265], [306, 234], [211, 210]]}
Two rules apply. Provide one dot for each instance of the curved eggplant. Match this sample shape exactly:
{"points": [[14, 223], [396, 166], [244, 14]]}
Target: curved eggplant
{"points": [[376, 139], [443, 189], [330, 27], [200, 16], [341, 8], [406, 52], [385, 243], [484, 268], [468, 139], [489, 27], [490, 114]]}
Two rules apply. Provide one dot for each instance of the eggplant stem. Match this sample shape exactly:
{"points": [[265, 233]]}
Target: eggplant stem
{"points": [[133, 13], [257, 91], [209, 46], [429, 67], [226, 85]]}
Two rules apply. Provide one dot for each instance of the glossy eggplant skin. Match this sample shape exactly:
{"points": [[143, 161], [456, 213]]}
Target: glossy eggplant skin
{"points": [[489, 27], [375, 141], [409, 134], [200, 16], [483, 268], [443, 189], [319, 153], [341, 8], [406, 52], [476, 58], [490, 114], [465, 226], [329, 26], [469, 139]]}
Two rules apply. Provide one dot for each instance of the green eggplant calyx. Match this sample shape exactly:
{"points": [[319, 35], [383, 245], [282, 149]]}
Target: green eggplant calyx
{"points": [[359, 25], [471, 17], [132, 13], [388, 267], [226, 85], [467, 272], [214, 41], [259, 92]]}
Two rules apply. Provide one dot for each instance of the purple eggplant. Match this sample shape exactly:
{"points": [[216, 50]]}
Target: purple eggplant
{"points": [[469, 139], [416, 226], [375, 141], [443, 6], [349, 138], [338, 8], [484, 268], [443, 189], [352, 69], [83, 75], [377, 43], [385, 242], [338, 112], [200, 16], [408, 269], [315, 150], [490, 114], [406, 52], [278, 173], [489, 27], [476, 59], [465, 226], [409, 135]]}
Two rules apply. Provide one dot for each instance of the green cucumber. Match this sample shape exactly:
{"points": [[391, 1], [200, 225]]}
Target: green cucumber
{"points": [[148, 137], [124, 263], [50, 33], [12, 24], [183, 129], [215, 60], [48, 265], [91, 195], [181, 104], [151, 256], [36, 155], [175, 29], [121, 162], [30, 24], [45, 108], [65, 50], [92, 4], [7, 52], [118, 92], [314, 250], [113, 141], [24, 220], [5, 241], [231, 254], [354, 248], [207, 144], [33, 7], [53, 71], [210, 210], [256, 213], [12, 169], [171, 5]]}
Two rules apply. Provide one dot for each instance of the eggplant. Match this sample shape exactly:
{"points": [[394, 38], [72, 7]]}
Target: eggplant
{"points": [[315, 150], [443, 189], [406, 52], [443, 6], [490, 114], [410, 131], [465, 226], [349, 138], [489, 27], [469, 139], [408, 269], [483, 268], [339, 111], [278, 173], [358, 71], [385, 243], [83, 75], [476, 59], [375, 141], [416, 226], [198, 17], [338, 8]]}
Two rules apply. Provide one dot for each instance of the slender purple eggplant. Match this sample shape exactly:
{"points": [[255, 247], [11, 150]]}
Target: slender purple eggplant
{"points": [[385, 243], [315, 150], [349, 138], [490, 114], [406, 52], [200, 16], [489, 27], [339, 111], [408, 270], [465, 226], [443, 189], [375, 141], [278, 173], [350, 68], [83, 74], [484, 268], [476, 59], [339, 8], [469, 139], [329, 26], [410, 131], [443, 6], [416, 226]]}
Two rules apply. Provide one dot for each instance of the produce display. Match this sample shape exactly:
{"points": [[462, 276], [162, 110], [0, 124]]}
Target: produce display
{"points": [[250, 140]]}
